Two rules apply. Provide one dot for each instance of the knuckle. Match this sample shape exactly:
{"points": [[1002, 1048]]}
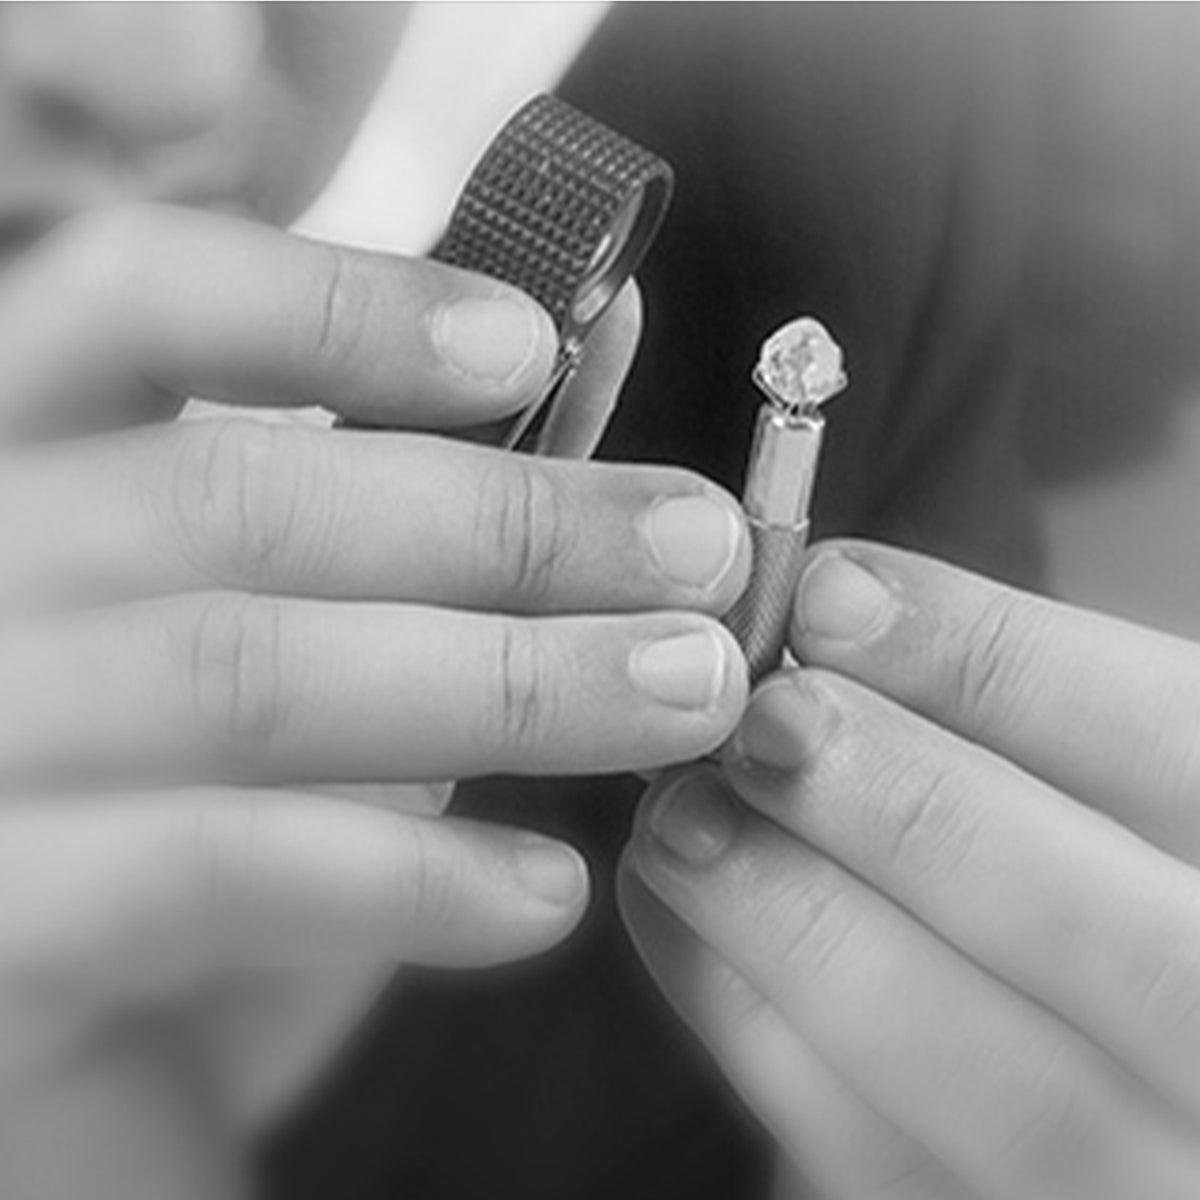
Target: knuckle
{"points": [[810, 923], [735, 1007], [1165, 758], [346, 301], [428, 884], [1056, 1127], [899, 1168], [524, 689], [920, 811], [234, 662], [525, 531], [1168, 998], [235, 490], [994, 671]]}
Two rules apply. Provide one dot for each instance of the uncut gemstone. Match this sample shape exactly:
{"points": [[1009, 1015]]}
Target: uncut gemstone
{"points": [[801, 363]]}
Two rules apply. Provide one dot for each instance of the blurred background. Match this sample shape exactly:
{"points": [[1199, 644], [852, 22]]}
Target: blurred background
{"points": [[1113, 428]]}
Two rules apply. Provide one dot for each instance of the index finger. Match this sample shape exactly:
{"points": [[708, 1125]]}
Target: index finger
{"points": [[1102, 709], [119, 311]]}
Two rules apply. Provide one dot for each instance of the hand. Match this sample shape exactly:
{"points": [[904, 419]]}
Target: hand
{"points": [[947, 945], [223, 614]]}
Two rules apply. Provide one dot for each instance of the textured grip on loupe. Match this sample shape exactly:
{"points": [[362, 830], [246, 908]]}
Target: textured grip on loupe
{"points": [[543, 199]]}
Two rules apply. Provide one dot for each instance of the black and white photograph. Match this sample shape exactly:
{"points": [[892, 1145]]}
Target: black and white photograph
{"points": [[599, 601]]}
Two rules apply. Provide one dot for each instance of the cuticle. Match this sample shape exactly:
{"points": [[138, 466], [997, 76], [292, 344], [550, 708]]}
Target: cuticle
{"points": [[890, 584]]}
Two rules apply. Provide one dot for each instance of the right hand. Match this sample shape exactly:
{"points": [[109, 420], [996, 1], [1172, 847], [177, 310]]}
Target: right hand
{"points": [[204, 621]]}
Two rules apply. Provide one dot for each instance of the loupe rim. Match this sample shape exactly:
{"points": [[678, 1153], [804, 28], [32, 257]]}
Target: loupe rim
{"points": [[602, 282]]}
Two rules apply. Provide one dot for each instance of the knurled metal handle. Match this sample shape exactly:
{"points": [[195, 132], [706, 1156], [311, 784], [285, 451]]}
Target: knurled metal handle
{"points": [[759, 620]]}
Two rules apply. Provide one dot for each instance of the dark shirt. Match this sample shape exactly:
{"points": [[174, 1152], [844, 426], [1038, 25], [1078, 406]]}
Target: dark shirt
{"points": [[867, 164]]}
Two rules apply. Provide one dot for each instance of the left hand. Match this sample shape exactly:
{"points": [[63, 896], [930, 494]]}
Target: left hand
{"points": [[128, 861], [949, 946]]}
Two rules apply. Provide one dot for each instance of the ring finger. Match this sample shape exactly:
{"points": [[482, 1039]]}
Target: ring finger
{"points": [[230, 686]]}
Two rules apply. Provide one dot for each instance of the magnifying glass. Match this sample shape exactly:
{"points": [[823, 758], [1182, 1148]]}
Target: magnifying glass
{"points": [[565, 209]]}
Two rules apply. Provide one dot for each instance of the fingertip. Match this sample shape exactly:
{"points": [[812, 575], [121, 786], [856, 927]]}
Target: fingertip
{"points": [[515, 895], [841, 601], [700, 729], [661, 785], [737, 578], [784, 725], [553, 873], [688, 823], [626, 314], [696, 669], [501, 345], [710, 727], [575, 425], [534, 373], [551, 894], [694, 540], [736, 687]]}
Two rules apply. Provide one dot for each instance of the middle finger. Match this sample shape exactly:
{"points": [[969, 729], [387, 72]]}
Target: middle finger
{"points": [[247, 506]]}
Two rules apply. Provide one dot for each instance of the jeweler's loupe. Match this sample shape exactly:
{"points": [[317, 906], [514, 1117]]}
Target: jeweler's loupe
{"points": [[565, 209]]}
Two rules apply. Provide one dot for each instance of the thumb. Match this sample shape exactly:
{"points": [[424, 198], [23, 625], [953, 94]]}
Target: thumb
{"points": [[577, 423]]}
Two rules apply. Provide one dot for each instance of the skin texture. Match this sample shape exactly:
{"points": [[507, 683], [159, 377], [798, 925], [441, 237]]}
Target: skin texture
{"points": [[217, 605], [227, 645], [936, 913]]}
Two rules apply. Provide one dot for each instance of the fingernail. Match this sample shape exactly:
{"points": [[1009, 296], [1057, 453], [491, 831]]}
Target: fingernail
{"points": [[840, 600], [694, 539], [685, 671], [782, 727], [694, 819], [490, 341], [551, 871]]}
